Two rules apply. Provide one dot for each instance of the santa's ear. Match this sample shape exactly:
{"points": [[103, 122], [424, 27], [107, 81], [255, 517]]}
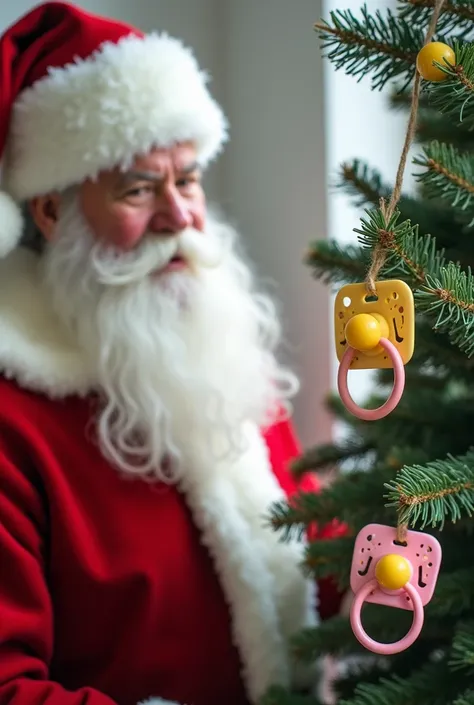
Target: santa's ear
{"points": [[45, 213]]}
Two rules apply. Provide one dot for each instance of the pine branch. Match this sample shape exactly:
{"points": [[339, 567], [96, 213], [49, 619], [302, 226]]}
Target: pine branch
{"points": [[365, 184], [445, 295], [454, 594], [409, 255], [454, 96], [466, 698], [400, 99], [431, 685], [327, 456], [339, 412], [462, 651], [330, 558], [433, 126], [449, 175], [344, 686], [346, 498], [401, 455], [426, 496], [366, 187], [334, 636], [372, 669], [335, 263], [383, 46], [455, 14], [277, 695], [418, 374], [433, 421], [436, 353], [447, 299]]}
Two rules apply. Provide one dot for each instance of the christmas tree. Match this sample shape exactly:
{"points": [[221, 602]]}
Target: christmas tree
{"points": [[415, 467]]}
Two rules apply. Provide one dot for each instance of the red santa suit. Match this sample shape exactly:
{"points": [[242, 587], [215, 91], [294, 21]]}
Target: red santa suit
{"points": [[114, 589]]}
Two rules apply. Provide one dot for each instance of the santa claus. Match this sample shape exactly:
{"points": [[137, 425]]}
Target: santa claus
{"points": [[144, 414]]}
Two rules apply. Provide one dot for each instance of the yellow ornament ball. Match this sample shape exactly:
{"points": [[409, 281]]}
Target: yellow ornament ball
{"points": [[392, 571], [363, 332], [434, 51]]}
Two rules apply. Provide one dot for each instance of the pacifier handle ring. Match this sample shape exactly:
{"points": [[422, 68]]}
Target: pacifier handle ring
{"points": [[375, 646], [395, 396]]}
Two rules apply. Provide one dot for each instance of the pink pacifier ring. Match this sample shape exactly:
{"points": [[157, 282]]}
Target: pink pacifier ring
{"points": [[376, 646], [395, 396]]}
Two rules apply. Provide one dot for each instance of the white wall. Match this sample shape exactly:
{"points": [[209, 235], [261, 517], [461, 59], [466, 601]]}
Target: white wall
{"points": [[274, 173], [267, 72]]}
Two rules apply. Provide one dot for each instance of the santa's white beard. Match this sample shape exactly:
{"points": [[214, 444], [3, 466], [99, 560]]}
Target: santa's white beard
{"points": [[183, 355]]}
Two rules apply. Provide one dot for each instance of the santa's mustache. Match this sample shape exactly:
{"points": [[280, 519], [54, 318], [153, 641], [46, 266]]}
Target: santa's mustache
{"points": [[113, 267]]}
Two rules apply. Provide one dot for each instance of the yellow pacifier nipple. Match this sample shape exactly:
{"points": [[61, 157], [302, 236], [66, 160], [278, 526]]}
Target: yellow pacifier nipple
{"points": [[363, 331], [392, 571]]}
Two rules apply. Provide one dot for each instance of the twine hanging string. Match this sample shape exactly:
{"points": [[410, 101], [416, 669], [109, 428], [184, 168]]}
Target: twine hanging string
{"points": [[380, 251]]}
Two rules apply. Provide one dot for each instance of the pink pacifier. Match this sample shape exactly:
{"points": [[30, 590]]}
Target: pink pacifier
{"points": [[397, 574]]}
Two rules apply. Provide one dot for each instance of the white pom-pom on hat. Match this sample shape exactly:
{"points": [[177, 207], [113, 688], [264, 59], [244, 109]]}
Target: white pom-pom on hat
{"points": [[11, 224]]}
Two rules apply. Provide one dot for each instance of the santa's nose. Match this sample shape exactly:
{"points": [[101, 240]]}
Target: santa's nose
{"points": [[172, 214]]}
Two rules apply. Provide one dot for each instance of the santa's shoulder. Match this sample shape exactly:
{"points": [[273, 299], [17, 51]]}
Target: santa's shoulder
{"points": [[35, 419]]}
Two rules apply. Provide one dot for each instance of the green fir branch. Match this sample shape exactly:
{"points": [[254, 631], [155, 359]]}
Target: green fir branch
{"points": [[345, 498], [344, 686], [384, 46], [371, 670], [462, 651], [438, 353], [365, 187], [401, 98], [443, 292], [434, 126], [434, 421], [447, 300], [278, 695], [431, 124], [454, 594], [467, 698], [362, 183], [334, 263], [335, 636], [337, 409], [449, 175], [456, 15], [431, 685], [426, 496], [327, 456], [330, 558], [408, 255], [454, 96]]}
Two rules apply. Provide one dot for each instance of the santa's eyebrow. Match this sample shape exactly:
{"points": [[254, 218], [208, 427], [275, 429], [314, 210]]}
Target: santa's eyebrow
{"points": [[154, 176], [190, 168], [131, 176]]}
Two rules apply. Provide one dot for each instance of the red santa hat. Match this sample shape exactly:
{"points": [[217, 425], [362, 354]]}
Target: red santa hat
{"points": [[81, 93]]}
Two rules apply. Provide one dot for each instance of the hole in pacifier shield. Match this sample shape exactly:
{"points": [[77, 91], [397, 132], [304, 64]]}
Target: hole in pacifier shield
{"points": [[385, 624]]}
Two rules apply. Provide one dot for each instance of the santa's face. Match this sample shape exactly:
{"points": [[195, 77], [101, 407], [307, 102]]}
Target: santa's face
{"points": [[183, 353], [159, 193]]}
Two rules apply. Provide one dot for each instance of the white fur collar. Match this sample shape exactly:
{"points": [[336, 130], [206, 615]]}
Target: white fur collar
{"points": [[35, 349], [267, 595], [261, 576]]}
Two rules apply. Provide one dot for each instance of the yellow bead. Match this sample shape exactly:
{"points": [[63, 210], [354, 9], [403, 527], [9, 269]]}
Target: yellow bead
{"points": [[392, 571], [363, 332], [434, 51]]}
